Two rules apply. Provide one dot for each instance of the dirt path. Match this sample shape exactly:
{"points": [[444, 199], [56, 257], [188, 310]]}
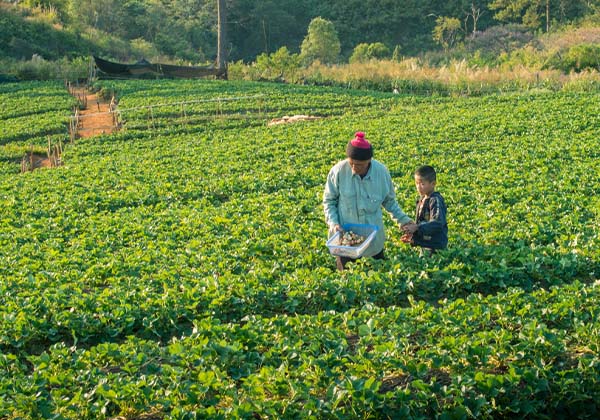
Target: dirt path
{"points": [[96, 118]]}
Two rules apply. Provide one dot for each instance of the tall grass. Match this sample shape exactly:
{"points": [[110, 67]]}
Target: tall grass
{"points": [[457, 77]]}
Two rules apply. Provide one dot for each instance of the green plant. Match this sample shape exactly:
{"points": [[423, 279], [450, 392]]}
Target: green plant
{"points": [[165, 272], [365, 52], [447, 32], [279, 66], [321, 42], [397, 54], [582, 57]]}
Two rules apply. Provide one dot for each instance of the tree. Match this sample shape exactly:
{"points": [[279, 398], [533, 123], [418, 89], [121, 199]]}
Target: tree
{"points": [[264, 26], [527, 12], [532, 13], [321, 43], [391, 22], [474, 13], [447, 31]]}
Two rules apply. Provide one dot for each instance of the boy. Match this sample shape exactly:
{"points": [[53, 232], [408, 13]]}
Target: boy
{"points": [[430, 231]]}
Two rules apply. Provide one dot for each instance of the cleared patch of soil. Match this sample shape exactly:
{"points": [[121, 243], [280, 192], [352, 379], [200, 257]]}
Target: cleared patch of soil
{"points": [[96, 118]]}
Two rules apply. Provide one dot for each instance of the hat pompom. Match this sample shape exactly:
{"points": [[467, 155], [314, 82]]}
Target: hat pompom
{"points": [[360, 141], [359, 148]]}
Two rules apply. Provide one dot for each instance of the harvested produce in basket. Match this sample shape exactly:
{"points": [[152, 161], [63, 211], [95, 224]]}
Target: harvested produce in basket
{"points": [[350, 238]]}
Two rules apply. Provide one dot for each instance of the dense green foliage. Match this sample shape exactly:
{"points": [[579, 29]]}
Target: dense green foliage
{"points": [[186, 30], [30, 114], [21, 39], [23, 35], [577, 58], [178, 268], [321, 42], [365, 52]]}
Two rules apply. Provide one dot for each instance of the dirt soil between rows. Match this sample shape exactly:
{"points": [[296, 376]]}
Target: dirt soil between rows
{"points": [[96, 118]]}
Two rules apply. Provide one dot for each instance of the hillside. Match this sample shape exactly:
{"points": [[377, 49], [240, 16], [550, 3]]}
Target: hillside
{"points": [[186, 32], [22, 36]]}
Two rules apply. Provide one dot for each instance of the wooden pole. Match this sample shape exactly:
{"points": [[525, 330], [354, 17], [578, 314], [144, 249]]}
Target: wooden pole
{"points": [[183, 115], [547, 16], [222, 36]]}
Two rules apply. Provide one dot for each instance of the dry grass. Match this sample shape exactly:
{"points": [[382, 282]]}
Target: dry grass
{"points": [[456, 73]]}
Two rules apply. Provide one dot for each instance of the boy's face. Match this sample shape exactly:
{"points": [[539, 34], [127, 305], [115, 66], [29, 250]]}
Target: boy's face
{"points": [[424, 187]]}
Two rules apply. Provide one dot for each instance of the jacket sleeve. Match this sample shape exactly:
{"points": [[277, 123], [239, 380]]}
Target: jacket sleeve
{"points": [[331, 197], [437, 221], [390, 204]]}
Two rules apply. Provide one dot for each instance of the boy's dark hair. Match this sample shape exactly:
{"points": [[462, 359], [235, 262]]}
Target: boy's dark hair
{"points": [[426, 172]]}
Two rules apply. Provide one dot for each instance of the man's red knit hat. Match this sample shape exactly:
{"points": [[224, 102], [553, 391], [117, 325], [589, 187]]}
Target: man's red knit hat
{"points": [[359, 148]]}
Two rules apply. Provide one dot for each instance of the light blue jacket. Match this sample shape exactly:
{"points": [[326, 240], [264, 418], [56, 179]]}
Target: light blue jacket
{"points": [[348, 198]]}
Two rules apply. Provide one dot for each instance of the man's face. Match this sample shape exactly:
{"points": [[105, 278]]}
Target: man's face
{"points": [[359, 167]]}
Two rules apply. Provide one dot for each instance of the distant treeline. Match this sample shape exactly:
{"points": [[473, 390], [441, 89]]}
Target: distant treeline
{"points": [[186, 30]]}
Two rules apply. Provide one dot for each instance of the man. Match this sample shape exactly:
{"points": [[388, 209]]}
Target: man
{"points": [[356, 190]]}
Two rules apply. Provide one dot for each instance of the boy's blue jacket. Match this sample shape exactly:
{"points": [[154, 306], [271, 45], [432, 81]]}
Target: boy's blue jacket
{"points": [[431, 218]]}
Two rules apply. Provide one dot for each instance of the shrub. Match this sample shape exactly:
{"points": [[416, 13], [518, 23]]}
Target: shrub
{"points": [[582, 57], [36, 69], [40, 69], [365, 52], [577, 58], [527, 56], [360, 53], [500, 39], [280, 66], [238, 70]]}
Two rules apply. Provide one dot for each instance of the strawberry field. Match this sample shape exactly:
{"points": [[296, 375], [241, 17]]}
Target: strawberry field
{"points": [[177, 269], [31, 113]]}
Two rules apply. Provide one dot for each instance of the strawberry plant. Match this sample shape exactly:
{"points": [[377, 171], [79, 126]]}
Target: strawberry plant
{"points": [[178, 268], [30, 114]]}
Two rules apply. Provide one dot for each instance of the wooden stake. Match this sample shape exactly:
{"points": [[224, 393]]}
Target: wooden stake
{"points": [[31, 158]]}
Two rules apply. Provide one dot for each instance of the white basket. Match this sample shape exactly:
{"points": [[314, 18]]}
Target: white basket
{"points": [[368, 231]]}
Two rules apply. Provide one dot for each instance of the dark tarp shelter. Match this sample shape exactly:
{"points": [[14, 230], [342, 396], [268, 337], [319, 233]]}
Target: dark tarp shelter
{"points": [[145, 69]]}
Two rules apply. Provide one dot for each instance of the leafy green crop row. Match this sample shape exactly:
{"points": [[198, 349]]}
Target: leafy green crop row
{"points": [[514, 354], [182, 269], [183, 103], [30, 112]]}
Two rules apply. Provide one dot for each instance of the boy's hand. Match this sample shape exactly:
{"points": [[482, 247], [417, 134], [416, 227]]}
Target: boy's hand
{"points": [[406, 238], [410, 228]]}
